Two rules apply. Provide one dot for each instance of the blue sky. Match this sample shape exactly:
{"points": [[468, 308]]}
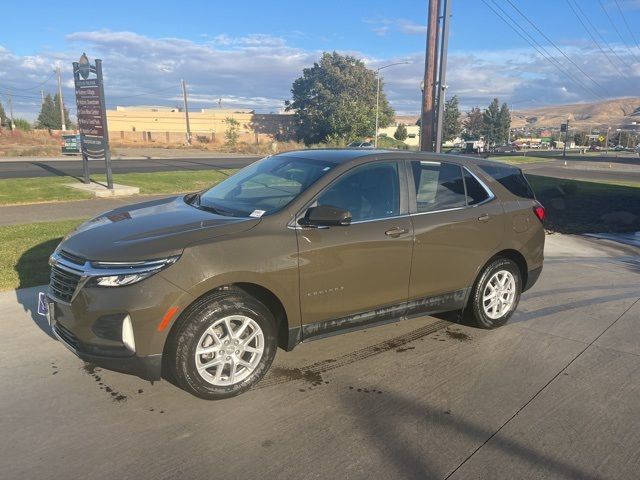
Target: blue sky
{"points": [[249, 52]]}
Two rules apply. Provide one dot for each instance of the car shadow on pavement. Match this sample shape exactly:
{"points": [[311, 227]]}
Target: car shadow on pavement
{"points": [[410, 433], [33, 274]]}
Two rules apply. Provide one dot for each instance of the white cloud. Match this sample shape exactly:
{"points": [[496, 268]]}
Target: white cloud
{"points": [[256, 71]]}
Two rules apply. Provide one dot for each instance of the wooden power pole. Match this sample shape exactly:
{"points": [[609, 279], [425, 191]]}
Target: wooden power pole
{"points": [[64, 127], [186, 111], [428, 114]]}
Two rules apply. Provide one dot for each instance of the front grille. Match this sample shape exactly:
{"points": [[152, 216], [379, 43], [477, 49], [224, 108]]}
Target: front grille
{"points": [[66, 335], [71, 257], [63, 283]]}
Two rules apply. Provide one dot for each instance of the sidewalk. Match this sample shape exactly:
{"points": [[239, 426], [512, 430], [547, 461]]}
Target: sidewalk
{"points": [[77, 209]]}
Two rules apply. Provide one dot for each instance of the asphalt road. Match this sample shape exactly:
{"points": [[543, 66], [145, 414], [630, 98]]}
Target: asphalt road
{"points": [[49, 168], [580, 168], [553, 394]]}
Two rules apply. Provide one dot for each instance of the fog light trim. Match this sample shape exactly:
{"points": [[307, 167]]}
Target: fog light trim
{"points": [[127, 334]]}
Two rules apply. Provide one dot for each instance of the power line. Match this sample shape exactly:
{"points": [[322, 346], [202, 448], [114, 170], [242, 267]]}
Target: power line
{"points": [[554, 45], [624, 42], [34, 87], [550, 58], [593, 38], [595, 30], [635, 40], [539, 48]]}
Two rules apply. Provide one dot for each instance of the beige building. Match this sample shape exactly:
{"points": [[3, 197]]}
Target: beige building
{"points": [[166, 124], [413, 133]]}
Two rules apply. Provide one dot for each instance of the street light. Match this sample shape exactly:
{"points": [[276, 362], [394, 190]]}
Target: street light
{"points": [[375, 140]]}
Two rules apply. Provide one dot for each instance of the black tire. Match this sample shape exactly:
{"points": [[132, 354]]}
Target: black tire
{"points": [[180, 354], [475, 309]]}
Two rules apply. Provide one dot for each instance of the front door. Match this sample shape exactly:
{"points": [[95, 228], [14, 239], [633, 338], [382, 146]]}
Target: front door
{"points": [[347, 272]]}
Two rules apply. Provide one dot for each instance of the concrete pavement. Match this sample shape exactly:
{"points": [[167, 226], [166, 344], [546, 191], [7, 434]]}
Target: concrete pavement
{"points": [[553, 394]]}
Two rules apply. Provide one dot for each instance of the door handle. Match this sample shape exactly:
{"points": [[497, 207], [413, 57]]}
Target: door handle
{"points": [[396, 232], [484, 217]]}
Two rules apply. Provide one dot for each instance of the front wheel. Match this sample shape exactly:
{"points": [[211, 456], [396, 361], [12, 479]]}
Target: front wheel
{"points": [[496, 293], [223, 346]]}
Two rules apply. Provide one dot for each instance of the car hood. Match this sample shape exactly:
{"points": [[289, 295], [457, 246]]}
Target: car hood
{"points": [[149, 230]]}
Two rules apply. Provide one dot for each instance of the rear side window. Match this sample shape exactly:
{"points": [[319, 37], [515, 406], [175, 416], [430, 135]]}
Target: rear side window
{"points": [[510, 178], [438, 186], [475, 192]]}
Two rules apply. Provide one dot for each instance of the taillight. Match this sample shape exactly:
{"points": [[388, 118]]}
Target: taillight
{"points": [[540, 213]]}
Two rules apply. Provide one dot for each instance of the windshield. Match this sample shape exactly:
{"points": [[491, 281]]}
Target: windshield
{"points": [[264, 187]]}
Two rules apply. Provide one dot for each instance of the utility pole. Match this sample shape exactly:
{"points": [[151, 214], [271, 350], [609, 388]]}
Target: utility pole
{"points": [[442, 84], [427, 116], [564, 151], [41, 97], [186, 111], [13, 126], [64, 127]]}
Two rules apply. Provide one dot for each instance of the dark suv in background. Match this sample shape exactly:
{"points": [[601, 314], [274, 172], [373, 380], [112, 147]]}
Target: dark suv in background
{"points": [[204, 287]]}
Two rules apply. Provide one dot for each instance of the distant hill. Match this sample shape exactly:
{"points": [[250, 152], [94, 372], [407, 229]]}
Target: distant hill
{"points": [[614, 113]]}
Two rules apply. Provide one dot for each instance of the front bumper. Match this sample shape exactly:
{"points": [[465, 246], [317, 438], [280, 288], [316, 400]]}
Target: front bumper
{"points": [[148, 367], [91, 325]]}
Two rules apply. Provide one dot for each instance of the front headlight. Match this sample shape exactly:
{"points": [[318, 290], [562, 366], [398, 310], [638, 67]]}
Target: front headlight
{"points": [[120, 274]]}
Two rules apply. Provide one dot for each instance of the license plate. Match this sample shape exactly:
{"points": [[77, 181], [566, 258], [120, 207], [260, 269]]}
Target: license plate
{"points": [[46, 308], [43, 304]]}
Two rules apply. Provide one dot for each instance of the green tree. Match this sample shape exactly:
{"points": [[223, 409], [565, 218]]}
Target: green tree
{"points": [[504, 124], [3, 116], [232, 133], [491, 122], [580, 139], [451, 125], [401, 132], [473, 124], [22, 124], [48, 117], [336, 98]]}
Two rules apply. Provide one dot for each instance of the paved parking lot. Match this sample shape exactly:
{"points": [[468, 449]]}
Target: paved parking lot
{"points": [[554, 394]]}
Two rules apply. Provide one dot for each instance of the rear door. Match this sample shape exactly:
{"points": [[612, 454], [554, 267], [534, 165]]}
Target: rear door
{"points": [[457, 223], [348, 271]]}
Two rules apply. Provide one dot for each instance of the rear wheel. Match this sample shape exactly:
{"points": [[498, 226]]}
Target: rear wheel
{"points": [[496, 293], [224, 344]]}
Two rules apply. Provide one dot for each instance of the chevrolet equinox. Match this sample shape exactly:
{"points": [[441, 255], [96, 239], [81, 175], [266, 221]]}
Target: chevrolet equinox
{"points": [[204, 287]]}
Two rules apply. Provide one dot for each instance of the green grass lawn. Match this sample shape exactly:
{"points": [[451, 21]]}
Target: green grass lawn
{"points": [[576, 206], [52, 189], [26, 250]]}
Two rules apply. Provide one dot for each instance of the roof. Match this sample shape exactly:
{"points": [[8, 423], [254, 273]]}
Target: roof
{"points": [[342, 155]]}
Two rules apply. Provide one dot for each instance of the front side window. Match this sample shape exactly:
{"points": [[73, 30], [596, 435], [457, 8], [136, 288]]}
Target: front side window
{"points": [[265, 186], [438, 186], [368, 192]]}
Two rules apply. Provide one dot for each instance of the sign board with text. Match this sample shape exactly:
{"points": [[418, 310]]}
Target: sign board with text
{"points": [[91, 112]]}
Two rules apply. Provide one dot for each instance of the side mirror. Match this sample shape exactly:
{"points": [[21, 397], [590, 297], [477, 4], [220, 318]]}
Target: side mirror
{"points": [[326, 216]]}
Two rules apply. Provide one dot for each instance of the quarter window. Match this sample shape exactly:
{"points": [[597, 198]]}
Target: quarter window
{"points": [[438, 186], [475, 192], [368, 192]]}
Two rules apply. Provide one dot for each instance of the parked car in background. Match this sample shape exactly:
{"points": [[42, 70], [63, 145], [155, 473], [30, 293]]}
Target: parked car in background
{"points": [[204, 287], [595, 148], [360, 145], [619, 148], [70, 144]]}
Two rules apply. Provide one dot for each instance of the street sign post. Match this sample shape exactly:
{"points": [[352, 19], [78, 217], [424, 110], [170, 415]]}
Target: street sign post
{"points": [[92, 115]]}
